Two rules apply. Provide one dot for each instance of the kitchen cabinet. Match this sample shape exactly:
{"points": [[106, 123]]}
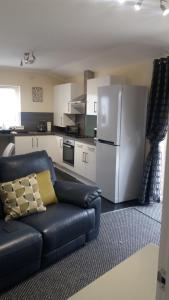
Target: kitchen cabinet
{"points": [[63, 94], [92, 91], [59, 150], [90, 160], [24, 144], [27, 144], [84, 155], [85, 161], [79, 162], [48, 143]]}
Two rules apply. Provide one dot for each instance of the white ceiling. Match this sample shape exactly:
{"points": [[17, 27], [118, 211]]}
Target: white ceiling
{"points": [[68, 36]]}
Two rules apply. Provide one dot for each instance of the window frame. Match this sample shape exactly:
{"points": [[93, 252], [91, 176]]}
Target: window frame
{"points": [[17, 89]]}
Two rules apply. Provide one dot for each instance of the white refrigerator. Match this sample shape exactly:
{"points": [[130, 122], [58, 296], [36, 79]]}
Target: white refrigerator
{"points": [[120, 146]]}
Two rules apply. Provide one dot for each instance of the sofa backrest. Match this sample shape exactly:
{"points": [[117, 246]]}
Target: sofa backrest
{"points": [[17, 166]]}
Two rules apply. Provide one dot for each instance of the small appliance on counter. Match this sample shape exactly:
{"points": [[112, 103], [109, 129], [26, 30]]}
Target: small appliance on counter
{"points": [[73, 130], [49, 126], [42, 126]]}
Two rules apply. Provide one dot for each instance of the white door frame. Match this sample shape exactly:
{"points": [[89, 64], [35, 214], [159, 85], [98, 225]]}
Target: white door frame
{"points": [[163, 264]]}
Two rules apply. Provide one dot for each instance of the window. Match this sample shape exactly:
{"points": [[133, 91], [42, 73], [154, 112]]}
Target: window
{"points": [[10, 107]]}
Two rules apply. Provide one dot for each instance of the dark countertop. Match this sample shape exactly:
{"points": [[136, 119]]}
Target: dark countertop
{"points": [[85, 140]]}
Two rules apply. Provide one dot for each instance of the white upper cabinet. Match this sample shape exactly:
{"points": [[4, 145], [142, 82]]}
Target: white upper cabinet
{"points": [[92, 91], [63, 94]]}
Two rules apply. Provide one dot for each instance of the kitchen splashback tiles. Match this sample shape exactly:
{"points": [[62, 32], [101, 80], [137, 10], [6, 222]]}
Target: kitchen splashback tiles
{"points": [[30, 120]]}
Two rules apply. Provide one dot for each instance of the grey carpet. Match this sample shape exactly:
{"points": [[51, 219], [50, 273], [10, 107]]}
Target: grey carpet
{"points": [[122, 233], [154, 211]]}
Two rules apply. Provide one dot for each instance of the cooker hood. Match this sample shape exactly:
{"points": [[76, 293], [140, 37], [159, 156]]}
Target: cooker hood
{"points": [[79, 103]]}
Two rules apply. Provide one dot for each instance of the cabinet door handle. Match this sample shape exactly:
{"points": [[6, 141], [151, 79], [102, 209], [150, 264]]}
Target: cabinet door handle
{"points": [[83, 157], [95, 106], [37, 143], [32, 143], [86, 156], [60, 143], [68, 107], [67, 146]]}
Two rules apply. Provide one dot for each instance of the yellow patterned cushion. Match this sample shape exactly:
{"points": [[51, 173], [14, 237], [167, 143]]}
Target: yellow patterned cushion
{"points": [[21, 197], [46, 188]]}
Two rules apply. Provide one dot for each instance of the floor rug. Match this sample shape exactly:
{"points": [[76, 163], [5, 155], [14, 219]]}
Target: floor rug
{"points": [[122, 233]]}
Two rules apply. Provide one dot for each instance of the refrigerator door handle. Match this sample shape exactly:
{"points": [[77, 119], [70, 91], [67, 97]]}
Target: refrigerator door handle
{"points": [[95, 106], [107, 142]]}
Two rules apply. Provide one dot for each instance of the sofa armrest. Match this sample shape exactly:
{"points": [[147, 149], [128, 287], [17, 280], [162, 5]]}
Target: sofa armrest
{"points": [[76, 193], [84, 196]]}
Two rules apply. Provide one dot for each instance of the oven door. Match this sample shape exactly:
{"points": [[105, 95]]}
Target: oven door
{"points": [[68, 154]]}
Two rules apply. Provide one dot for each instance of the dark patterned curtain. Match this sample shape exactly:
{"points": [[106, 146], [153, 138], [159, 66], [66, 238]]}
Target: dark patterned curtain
{"points": [[157, 126]]}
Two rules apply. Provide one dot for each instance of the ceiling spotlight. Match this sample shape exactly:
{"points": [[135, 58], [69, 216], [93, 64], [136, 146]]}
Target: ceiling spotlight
{"points": [[166, 12], [164, 7], [138, 5]]}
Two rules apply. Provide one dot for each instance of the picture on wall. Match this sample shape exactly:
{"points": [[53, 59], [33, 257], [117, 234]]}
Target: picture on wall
{"points": [[37, 94]]}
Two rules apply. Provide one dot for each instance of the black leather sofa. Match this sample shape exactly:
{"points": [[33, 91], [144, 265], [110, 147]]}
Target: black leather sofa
{"points": [[37, 240]]}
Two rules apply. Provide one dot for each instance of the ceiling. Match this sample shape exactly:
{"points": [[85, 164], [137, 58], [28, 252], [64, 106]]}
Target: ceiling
{"points": [[68, 36]]}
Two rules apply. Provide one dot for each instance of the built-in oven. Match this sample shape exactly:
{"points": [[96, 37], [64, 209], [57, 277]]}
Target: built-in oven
{"points": [[68, 151]]}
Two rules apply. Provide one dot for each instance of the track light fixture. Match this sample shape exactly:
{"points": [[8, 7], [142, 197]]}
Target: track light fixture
{"points": [[138, 5], [28, 58], [164, 7]]}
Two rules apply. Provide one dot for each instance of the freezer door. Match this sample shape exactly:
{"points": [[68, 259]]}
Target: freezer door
{"points": [[109, 113], [107, 170]]}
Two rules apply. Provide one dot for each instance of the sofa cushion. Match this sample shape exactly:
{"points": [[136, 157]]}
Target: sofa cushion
{"points": [[46, 189], [20, 248], [60, 224], [23, 165], [21, 197]]}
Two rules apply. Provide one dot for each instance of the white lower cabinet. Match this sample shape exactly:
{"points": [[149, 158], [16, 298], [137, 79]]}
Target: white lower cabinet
{"points": [[79, 162], [24, 144], [27, 144], [85, 161], [90, 158], [48, 143], [85, 155], [59, 150]]}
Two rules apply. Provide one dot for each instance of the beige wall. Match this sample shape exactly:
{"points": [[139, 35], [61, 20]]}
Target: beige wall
{"points": [[26, 80], [135, 74], [139, 74]]}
